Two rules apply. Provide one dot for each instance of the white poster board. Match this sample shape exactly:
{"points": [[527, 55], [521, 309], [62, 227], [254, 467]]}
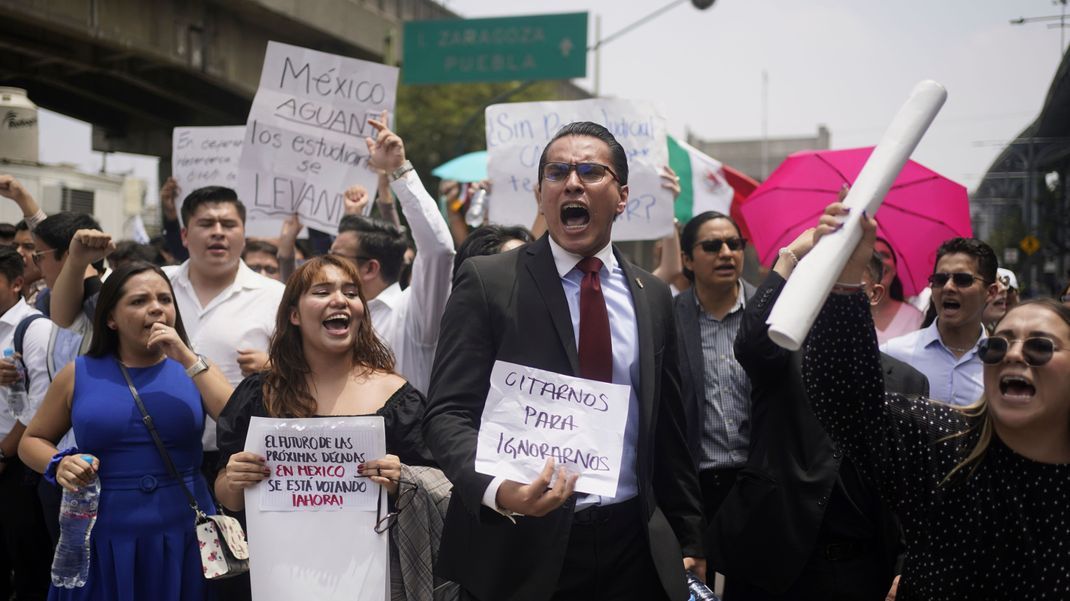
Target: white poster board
{"points": [[532, 414], [316, 550], [205, 156], [518, 132], [304, 140]]}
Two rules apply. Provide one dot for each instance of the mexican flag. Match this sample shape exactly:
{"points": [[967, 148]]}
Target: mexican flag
{"points": [[703, 186]]}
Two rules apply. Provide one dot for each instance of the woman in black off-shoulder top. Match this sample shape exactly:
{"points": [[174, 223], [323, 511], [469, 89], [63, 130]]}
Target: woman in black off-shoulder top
{"points": [[325, 362], [983, 492]]}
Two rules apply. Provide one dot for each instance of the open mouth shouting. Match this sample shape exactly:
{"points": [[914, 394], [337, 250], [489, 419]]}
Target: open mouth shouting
{"points": [[575, 216], [337, 324], [217, 249], [1017, 388], [950, 307]]}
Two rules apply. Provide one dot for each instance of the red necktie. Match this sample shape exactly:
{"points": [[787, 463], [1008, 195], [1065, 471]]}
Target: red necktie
{"points": [[596, 347]]}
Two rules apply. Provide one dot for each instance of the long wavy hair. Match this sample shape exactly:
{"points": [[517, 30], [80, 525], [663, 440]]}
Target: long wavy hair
{"points": [[286, 390], [106, 340], [978, 414]]}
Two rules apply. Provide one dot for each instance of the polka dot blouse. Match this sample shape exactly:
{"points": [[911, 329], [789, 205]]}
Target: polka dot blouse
{"points": [[1000, 531]]}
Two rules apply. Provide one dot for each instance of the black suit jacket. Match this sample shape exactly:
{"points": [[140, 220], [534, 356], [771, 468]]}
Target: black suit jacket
{"points": [[693, 365], [768, 526], [512, 307]]}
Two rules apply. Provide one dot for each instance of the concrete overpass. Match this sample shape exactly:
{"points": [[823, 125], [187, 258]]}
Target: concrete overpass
{"points": [[137, 68]]}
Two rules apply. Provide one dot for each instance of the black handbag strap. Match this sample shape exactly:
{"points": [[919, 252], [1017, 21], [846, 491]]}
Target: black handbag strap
{"points": [[147, 420]]}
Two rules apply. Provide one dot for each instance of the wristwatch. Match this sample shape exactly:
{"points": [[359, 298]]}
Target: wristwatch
{"points": [[197, 368], [404, 168]]}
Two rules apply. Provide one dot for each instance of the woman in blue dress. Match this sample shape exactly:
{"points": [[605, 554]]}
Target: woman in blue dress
{"points": [[143, 545]]}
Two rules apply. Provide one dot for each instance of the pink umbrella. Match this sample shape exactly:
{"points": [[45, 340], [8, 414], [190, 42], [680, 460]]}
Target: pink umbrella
{"points": [[921, 210]]}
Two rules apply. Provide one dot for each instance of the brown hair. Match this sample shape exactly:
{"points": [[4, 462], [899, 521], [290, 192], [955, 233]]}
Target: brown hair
{"points": [[286, 391], [978, 413]]}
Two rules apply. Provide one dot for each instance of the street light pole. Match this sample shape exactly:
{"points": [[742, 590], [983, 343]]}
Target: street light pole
{"points": [[600, 41], [1061, 18]]}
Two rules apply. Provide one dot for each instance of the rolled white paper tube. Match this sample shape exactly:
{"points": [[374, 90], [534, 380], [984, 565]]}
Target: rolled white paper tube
{"points": [[805, 292]]}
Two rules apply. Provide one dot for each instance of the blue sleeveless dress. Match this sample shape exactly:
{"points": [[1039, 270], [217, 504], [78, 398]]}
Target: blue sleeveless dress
{"points": [[143, 544]]}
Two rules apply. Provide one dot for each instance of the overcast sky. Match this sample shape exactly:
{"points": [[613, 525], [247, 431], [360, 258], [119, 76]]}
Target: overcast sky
{"points": [[848, 64]]}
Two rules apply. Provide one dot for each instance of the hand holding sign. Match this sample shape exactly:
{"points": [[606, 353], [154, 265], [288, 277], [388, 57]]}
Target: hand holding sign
{"points": [[244, 469], [385, 471], [387, 150], [538, 498], [168, 196]]}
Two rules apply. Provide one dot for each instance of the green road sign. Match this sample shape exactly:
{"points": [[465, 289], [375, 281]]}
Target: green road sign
{"points": [[502, 49]]}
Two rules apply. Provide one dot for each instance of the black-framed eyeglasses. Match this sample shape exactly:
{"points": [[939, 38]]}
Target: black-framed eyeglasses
{"points": [[268, 269], [713, 245], [962, 279], [1036, 350], [589, 173], [405, 496], [37, 254]]}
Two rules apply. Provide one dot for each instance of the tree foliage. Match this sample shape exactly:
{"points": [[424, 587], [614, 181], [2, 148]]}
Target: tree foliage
{"points": [[441, 122]]}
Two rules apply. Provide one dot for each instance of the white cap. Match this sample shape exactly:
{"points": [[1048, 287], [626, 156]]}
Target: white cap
{"points": [[1007, 278]]}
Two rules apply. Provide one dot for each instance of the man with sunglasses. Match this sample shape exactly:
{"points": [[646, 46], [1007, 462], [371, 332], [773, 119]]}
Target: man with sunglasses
{"points": [[567, 303], [963, 283], [715, 389]]}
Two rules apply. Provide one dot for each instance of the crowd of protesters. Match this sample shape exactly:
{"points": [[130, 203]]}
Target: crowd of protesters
{"points": [[891, 457]]}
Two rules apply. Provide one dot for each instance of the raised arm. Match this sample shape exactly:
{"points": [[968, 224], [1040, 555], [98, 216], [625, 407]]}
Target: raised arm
{"points": [[671, 265], [433, 266], [87, 247], [11, 188]]}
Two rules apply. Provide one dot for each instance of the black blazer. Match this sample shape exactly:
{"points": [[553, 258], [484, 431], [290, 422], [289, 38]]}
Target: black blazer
{"points": [[767, 527], [693, 364], [512, 307]]}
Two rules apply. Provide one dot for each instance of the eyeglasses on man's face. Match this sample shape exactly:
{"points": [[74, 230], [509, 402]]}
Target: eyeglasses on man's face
{"points": [[1036, 350], [37, 254], [961, 279], [713, 245], [589, 173]]}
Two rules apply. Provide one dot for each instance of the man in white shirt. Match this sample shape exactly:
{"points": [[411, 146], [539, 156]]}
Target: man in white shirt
{"points": [[406, 320], [962, 283], [26, 541], [228, 309]]}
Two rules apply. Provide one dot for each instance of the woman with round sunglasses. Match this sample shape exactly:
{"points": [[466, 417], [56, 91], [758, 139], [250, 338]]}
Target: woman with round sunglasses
{"points": [[983, 491], [326, 361]]}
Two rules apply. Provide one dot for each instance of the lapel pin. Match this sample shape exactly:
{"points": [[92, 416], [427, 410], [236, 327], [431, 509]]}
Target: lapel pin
{"points": [[639, 282]]}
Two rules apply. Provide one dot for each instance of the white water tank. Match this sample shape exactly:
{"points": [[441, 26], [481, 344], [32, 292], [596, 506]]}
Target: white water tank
{"points": [[18, 126]]}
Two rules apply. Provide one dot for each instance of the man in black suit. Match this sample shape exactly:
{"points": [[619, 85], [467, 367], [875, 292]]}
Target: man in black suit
{"points": [[550, 305], [800, 522]]}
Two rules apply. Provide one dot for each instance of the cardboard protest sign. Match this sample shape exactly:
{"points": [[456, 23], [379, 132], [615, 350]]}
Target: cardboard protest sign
{"points": [[304, 140], [205, 156], [518, 132], [532, 414], [301, 547]]}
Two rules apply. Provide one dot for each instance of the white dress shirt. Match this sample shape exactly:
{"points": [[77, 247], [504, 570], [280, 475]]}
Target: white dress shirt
{"points": [[407, 320], [242, 316], [8, 322], [954, 380], [624, 333]]}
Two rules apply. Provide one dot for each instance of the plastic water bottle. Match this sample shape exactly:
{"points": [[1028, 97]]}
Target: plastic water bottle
{"points": [[77, 514], [699, 590], [477, 209], [16, 391]]}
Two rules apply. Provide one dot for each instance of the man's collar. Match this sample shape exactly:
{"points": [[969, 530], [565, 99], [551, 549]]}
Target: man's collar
{"points": [[245, 278], [931, 334], [741, 299], [17, 311], [565, 261], [390, 296]]}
